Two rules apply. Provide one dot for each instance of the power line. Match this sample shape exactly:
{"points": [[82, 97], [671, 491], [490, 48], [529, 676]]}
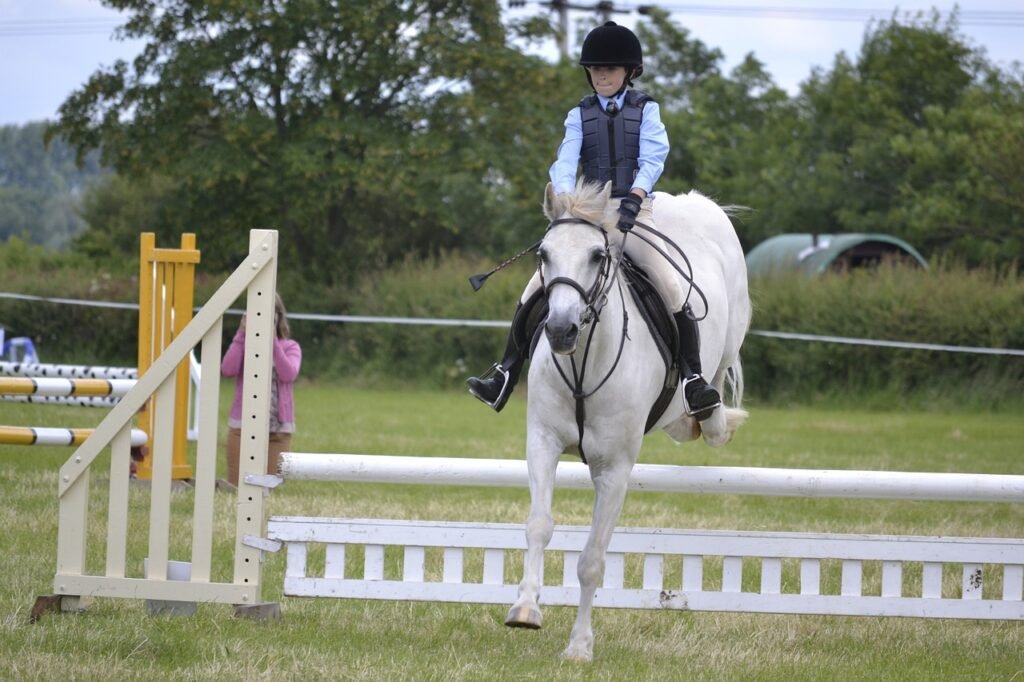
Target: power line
{"points": [[18, 28], [41, 27], [995, 18], [979, 18], [605, 8]]}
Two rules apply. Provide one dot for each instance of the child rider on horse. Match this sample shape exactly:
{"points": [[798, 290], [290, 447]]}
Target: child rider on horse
{"points": [[617, 136]]}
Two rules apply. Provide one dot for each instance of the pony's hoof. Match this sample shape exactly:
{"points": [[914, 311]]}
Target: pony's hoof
{"points": [[683, 429], [577, 654], [523, 617]]}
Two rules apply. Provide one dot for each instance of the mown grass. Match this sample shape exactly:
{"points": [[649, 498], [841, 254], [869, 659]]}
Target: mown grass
{"points": [[333, 639]]}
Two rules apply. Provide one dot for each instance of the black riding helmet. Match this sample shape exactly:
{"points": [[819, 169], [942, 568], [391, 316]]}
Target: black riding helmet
{"points": [[613, 45]]}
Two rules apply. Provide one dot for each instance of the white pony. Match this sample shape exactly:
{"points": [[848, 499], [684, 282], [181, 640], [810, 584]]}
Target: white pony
{"points": [[578, 268]]}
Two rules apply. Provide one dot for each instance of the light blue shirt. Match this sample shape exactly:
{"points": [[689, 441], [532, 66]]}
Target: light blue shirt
{"points": [[653, 148]]}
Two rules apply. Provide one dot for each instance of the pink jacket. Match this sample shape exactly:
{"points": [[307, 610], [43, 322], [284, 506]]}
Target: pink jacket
{"points": [[287, 360]]}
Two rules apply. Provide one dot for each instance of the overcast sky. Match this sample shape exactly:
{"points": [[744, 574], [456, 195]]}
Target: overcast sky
{"points": [[50, 47]]}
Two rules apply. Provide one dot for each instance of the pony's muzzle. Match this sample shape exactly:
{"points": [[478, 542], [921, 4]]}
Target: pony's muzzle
{"points": [[562, 337]]}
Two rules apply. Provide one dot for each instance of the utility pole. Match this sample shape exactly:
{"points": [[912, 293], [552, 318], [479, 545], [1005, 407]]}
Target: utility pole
{"points": [[605, 9]]}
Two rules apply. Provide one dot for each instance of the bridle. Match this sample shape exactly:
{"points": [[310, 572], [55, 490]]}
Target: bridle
{"points": [[595, 298]]}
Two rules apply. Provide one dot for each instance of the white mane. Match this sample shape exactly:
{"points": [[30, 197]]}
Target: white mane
{"points": [[589, 202]]}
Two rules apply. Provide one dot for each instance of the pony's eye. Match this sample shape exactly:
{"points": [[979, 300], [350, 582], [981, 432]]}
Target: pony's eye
{"points": [[597, 257]]}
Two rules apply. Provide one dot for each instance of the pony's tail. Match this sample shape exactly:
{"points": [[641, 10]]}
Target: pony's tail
{"points": [[732, 401], [734, 384]]}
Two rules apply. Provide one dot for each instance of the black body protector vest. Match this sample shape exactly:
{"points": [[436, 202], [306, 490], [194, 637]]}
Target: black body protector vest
{"points": [[611, 144]]}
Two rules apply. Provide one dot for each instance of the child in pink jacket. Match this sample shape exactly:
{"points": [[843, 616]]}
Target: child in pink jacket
{"points": [[287, 360]]}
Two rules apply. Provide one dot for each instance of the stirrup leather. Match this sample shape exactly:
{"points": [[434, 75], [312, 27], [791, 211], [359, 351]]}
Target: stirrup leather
{"points": [[704, 412], [498, 402]]}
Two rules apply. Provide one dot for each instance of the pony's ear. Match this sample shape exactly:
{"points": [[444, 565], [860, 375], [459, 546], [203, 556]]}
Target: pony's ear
{"points": [[607, 191], [549, 202]]}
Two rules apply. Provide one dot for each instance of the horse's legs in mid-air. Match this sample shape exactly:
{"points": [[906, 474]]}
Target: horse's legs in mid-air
{"points": [[610, 483], [719, 428], [542, 460]]}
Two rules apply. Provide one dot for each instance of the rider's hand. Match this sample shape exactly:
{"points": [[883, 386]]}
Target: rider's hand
{"points": [[628, 210]]}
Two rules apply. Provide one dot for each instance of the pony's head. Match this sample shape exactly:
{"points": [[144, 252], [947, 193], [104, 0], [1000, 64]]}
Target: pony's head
{"points": [[575, 260]]}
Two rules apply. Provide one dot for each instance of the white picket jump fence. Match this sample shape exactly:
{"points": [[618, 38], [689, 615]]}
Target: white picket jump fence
{"points": [[912, 568], [913, 578]]}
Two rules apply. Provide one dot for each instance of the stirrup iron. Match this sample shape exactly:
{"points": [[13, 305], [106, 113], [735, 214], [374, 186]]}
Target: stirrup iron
{"points": [[498, 402], [704, 412]]}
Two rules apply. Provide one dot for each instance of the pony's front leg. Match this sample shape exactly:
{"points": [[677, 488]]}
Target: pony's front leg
{"points": [[541, 461], [609, 493]]}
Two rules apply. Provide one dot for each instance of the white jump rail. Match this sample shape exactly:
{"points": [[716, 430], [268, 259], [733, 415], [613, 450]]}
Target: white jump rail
{"points": [[660, 478], [914, 572]]}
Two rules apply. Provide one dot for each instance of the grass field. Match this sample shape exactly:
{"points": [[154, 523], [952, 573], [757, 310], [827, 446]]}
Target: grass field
{"points": [[333, 639]]}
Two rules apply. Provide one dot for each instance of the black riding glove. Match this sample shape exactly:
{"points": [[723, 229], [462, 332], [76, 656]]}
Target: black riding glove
{"points": [[628, 210]]}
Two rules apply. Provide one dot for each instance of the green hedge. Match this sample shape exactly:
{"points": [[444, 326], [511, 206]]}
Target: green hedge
{"points": [[398, 353], [946, 305], [67, 333]]}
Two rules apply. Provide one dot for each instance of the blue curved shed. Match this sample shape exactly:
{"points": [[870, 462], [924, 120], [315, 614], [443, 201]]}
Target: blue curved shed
{"points": [[814, 254]]}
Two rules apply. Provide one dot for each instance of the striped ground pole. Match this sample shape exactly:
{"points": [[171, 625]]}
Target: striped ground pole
{"points": [[75, 400], [27, 369], [41, 386], [32, 435]]}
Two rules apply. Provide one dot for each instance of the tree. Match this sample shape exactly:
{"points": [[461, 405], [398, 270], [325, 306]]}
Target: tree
{"points": [[915, 137], [40, 186], [342, 124], [716, 121]]}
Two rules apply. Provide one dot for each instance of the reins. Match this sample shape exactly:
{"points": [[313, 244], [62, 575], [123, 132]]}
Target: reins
{"points": [[595, 300], [693, 287]]}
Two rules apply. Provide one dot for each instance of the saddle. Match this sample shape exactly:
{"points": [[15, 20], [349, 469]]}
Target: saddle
{"points": [[527, 324]]}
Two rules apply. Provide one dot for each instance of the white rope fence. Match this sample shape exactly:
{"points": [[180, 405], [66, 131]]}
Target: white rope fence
{"points": [[504, 324]]}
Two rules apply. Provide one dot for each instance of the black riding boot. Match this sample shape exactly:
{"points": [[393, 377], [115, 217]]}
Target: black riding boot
{"points": [[495, 385], [699, 398]]}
